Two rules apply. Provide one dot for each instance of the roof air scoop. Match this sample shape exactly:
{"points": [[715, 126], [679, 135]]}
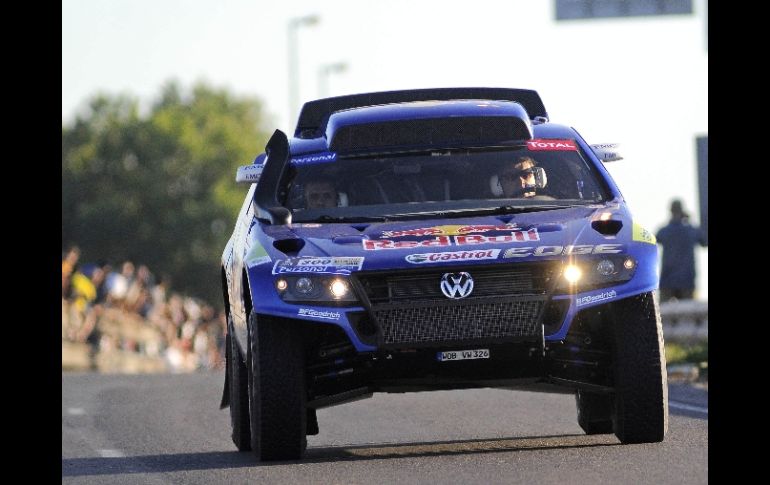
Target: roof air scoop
{"points": [[446, 132], [315, 114]]}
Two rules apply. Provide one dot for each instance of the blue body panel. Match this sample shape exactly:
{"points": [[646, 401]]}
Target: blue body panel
{"points": [[555, 229]]}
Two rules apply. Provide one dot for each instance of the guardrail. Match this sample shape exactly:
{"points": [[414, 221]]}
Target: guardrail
{"points": [[685, 319]]}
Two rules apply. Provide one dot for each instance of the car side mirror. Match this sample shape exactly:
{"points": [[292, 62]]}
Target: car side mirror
{"points": [[248, 174], [607, 152]]}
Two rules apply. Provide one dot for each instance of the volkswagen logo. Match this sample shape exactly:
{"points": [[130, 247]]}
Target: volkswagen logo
{"points": [[456, 285]]}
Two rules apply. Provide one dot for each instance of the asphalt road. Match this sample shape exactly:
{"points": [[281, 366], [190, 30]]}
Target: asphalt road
{"points": [[163, 429]]}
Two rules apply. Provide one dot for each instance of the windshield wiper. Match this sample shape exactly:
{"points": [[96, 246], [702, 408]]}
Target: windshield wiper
{"points": [[328, 218], [503, 209]]}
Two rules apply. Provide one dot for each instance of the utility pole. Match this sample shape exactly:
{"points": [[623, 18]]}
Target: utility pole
{"points": [[323, 76], [293, 26]]}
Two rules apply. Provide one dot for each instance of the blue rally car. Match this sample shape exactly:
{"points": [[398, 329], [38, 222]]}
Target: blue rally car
{"points": [[437, 239]]}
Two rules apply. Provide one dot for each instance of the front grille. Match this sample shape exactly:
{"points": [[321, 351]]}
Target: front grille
{"points": [[409, 309], [459, 322], [526, 279]]}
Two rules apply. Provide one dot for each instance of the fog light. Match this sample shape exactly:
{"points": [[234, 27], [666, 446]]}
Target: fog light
{"points": [[572, 273], [339, 288], [281, 284], [304, 286], [605, 267], [629, 263]]}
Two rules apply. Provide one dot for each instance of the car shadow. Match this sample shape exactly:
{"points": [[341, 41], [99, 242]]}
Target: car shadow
{"points": [[77, 467]]}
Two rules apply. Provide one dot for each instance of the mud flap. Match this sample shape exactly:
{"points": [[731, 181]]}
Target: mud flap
{"points": [[226, 391], [312, 422]]}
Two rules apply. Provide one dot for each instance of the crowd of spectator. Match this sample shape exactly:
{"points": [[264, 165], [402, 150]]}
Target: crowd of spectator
{"points": [[129, 309]]}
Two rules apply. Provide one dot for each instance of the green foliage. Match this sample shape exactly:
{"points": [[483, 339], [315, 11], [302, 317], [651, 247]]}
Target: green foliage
{"points": [[695, 352], [160, 188]]}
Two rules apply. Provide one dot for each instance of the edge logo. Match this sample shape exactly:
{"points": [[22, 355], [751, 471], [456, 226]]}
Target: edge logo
{"points": [[456, 285]]}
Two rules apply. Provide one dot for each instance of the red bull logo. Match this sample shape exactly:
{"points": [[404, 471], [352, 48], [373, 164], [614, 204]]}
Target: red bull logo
{"points": [[448, 230], [446, 241]]}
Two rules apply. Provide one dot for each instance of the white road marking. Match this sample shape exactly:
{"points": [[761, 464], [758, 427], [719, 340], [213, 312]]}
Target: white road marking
{"points": [[111, 453], [76, 411], [687, 407]]}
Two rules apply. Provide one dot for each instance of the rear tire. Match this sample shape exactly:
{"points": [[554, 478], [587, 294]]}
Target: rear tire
{"points": [[641, 397], [277, 392], [239, 393], [594, 412]]}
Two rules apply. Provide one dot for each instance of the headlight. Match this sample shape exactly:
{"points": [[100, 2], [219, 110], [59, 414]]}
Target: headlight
{"points": [[321, 290], [593, 273], [572, 273], [339, 288]]}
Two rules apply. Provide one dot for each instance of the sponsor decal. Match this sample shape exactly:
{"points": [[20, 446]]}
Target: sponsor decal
{"points": [[315, 158], [554, 145], [643, 235], [260, 260], [312, 264], [585, 300], [452, 256], [563, 250], [446, 241], [327, 315], [310, 225], [257, 255], [449, 230], [250, 173]]}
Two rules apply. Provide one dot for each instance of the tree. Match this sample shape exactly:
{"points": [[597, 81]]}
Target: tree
{"points": [[160, 189]]}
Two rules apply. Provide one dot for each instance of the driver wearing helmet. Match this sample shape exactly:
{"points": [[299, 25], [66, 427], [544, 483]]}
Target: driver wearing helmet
{"points": [[518, 180]]}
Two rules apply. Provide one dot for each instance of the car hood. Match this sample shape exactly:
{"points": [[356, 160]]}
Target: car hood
{"points": [[450, 241]]}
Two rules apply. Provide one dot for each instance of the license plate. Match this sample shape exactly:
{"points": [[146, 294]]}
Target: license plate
{"points": [[462, 355]]}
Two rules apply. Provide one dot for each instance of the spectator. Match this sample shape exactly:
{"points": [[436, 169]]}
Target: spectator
{"points": [[678, 239], [119, 283], [68, 264], [132, 314]]}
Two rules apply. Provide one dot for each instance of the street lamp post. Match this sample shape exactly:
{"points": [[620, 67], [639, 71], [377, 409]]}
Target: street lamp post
{"points": [[323, 76], [294, 24]]}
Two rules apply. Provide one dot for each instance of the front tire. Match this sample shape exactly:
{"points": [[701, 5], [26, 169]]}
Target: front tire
{"points": [[277, 392], [641, 397], [239, 393]]}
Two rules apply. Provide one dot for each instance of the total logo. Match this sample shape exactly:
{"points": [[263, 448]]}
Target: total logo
{"points": [[447, 241], [452, 256], [555, 145]]}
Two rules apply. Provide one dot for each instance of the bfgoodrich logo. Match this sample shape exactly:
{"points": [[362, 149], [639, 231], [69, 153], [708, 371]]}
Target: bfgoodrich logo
{"points": [[309, 312], [607, 295]]}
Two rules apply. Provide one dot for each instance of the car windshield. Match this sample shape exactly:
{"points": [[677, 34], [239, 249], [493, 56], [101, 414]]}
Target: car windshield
{"points": [[443, 183]]}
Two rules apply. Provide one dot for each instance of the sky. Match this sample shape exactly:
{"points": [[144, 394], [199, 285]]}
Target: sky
{"points": [[641, 82]]}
